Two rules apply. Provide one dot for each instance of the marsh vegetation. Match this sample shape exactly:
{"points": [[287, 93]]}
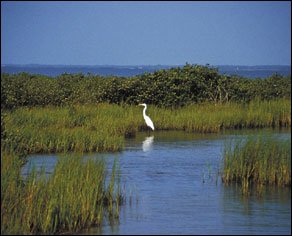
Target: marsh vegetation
{"points": [[257, 161], [84, 113], [103, 127], [74, 196]]}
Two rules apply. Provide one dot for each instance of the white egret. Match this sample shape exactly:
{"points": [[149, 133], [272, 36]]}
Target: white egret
{"points": [[147, 118]]}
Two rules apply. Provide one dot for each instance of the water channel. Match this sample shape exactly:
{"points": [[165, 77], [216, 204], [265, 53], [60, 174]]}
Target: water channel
{"points": [[173, 186]]}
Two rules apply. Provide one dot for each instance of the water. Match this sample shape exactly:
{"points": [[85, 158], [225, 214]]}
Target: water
{"points": [[128, 71], [172, 187], [255, 71], [55, 70]]}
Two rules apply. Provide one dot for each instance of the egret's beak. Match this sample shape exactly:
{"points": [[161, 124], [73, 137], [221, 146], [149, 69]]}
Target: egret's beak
{"points": [[140, 105]]}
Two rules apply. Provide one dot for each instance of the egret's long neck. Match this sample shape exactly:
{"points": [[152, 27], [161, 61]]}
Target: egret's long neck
{"points": [[144, 111]]}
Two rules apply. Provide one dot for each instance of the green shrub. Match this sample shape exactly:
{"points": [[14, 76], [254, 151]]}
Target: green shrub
{"points": [[174, 87]]}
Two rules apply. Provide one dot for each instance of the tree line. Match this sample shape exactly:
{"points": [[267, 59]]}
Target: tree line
{"points": [[167, 88]]}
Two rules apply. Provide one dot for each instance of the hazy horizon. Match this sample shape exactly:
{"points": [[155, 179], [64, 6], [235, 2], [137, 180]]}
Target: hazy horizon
{"points": [[207, 64]]}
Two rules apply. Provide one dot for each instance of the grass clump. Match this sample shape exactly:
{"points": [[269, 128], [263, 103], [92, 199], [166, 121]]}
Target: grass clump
{"points": [[257, 161], [75, 196]]}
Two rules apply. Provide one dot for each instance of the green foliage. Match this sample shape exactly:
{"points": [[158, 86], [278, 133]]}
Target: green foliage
{"points": [[28, 90], [167, 88], [76, 195], [257, 160], [103, 127]]}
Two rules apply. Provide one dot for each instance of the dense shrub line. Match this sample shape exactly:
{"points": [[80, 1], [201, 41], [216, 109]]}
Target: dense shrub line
{"points": [[168, 88]]}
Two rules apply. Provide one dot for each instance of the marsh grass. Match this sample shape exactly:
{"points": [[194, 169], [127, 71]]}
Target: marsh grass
{"points": [[103, 127], [76, 195], [79, 194], [257, 161]]}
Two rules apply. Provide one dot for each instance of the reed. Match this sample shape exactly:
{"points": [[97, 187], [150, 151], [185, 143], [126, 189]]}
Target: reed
{"points": [[103, 127], [75, 196], [257, 161]]}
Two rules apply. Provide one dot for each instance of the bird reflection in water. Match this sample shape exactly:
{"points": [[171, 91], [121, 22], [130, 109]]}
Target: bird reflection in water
{"points": [[147, 144]]}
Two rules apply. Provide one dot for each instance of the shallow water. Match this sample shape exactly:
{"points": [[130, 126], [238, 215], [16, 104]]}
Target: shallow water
{"points": [[172, 187]]}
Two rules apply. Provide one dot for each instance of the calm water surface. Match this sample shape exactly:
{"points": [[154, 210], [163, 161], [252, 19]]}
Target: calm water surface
{"points": [[172, 187], [128, 71]]}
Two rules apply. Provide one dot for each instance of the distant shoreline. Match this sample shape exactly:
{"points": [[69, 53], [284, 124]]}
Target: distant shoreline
{"points": [[255, 71], [158, 65]]}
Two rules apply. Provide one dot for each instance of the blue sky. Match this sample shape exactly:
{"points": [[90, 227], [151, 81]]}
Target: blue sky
{"points": [[146, 33]]}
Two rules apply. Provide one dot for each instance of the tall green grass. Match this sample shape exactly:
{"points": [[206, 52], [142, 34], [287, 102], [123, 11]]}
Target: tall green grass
{"points": [[210, 117], [257, 161], [76, 195], [103, 127]]}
